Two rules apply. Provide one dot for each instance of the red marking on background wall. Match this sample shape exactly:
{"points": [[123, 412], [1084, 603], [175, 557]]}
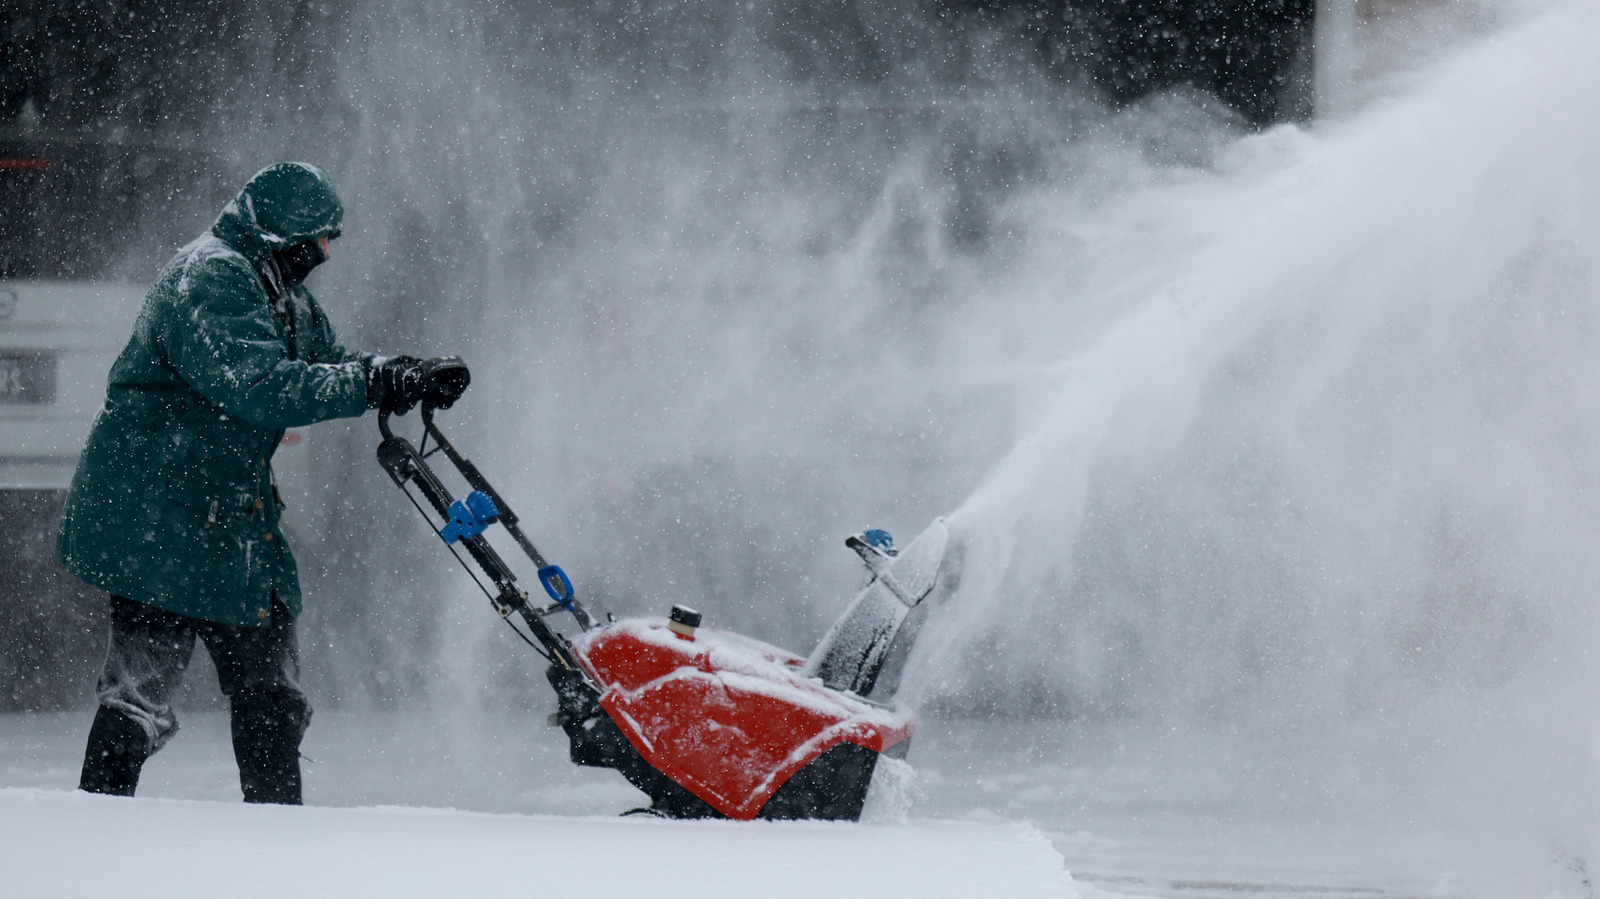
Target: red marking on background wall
{"points": [[292, 438], [25, 164]]}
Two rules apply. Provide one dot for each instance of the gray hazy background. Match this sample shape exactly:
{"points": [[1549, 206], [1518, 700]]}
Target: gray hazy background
{"points": [[1273, 444]]}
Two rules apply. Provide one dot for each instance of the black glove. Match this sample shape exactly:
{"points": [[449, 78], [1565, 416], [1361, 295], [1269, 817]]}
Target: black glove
{"points": [[444, 379], [396, 385]]}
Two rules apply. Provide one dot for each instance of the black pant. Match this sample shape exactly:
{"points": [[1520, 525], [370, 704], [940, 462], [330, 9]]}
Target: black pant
{"points": [[258, 669]]}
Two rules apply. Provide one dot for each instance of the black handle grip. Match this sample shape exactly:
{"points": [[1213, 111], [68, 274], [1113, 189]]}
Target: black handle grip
{"points": [[444, 379]]}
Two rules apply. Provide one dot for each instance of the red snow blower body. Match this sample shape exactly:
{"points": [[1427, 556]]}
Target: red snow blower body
{"points": [[705, 722]]}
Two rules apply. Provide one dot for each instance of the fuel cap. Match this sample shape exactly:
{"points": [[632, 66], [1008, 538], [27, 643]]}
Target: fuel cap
{"points": [[683, 620]]}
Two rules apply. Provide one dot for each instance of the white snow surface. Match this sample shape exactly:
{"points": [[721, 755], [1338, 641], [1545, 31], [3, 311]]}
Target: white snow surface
{"points": [[1146, 816], [48, 842]]}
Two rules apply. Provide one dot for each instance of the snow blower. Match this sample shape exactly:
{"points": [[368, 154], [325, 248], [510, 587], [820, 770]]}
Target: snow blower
{"points": [[707, 723]]}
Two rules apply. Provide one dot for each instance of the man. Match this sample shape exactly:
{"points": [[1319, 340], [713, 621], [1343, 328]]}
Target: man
{"points": [[173, 509]]}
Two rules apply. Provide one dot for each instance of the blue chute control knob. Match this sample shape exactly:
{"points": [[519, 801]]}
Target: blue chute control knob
{"points": [[469, 517], [683, 621], [880, 539]]}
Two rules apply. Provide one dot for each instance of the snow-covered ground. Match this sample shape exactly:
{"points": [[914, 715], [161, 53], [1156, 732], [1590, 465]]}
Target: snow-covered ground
{"points": [[53, 844], [981, 803]]}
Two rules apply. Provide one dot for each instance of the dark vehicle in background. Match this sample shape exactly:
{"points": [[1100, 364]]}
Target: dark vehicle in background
{"points": [[84, 225]]}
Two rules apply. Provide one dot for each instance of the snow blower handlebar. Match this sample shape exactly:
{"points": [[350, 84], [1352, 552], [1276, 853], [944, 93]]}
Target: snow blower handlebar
{"points": [[465, 522]]}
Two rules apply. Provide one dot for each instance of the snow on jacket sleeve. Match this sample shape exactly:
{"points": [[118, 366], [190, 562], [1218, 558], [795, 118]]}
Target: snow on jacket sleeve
{"points": [[228, 344]]}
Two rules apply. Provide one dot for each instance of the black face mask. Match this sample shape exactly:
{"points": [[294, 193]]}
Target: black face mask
{"points": [[295, 262]]}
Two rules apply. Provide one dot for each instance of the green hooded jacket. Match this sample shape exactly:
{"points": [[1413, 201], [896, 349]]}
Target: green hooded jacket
{"points": [[173, 502]]}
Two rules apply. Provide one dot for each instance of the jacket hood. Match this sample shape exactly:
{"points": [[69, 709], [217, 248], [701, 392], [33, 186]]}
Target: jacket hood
{"points": [[280, 206]]}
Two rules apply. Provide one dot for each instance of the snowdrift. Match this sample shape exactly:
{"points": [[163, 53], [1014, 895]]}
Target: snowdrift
{"points": [[68, 844]]}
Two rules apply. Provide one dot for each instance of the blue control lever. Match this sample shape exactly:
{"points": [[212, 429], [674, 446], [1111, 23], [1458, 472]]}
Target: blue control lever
{"points": [[469, 517]]}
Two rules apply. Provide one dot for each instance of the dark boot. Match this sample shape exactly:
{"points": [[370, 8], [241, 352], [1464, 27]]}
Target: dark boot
{"points": [[267, 727], [118, 747]]}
